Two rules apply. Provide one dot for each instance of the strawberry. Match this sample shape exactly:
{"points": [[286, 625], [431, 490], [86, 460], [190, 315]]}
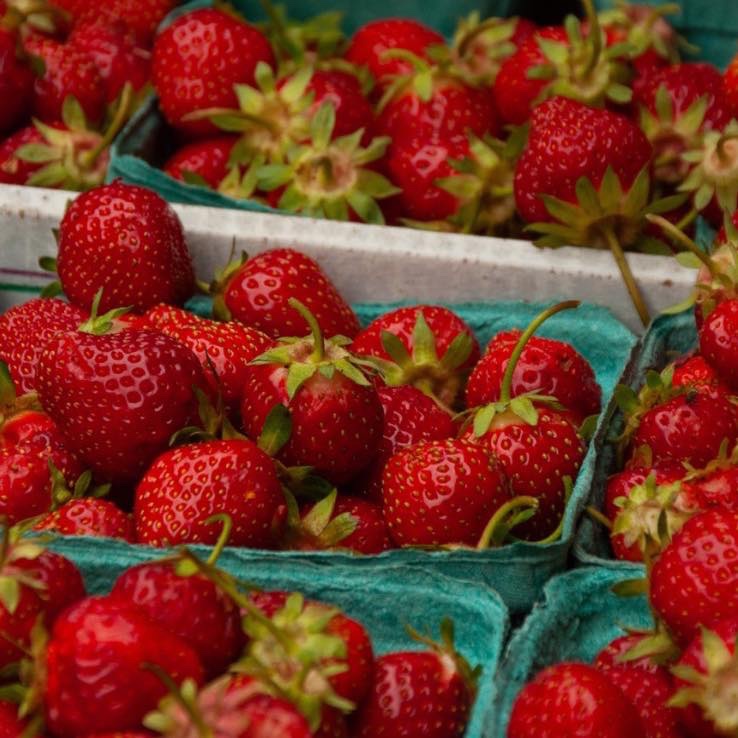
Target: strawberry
{"points": [[141, 16], [13, 169], [677, 104], [89, 516], [413, 693], [190, 607], [205, 160], [343, 91], [703, 592], [370, 44], [333, 412], [717, 342], [237, 706], [704, 673], [16, 85], [117, 55], [101, 652], [588, 190], [26, 329], [224, 349], [185, 486], [432, 348], [68, 71], [537, 446], [440, 493], [573, 699], [193, 65], [547, 366], [140, 253], [256, 292], [135, 388], [431, 102], [11, 724], [25, 485], [339, 522], [646, 685], [409, 418], [694, 371], [730, 78]]}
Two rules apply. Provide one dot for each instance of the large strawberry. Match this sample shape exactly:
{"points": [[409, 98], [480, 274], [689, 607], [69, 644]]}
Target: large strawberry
{"points": [[193, 65], [186, 486], [134, 388], [370, 45], [127, 241], [534, 440], [547, 366], [334, 414], [587, 190], [573, 699], [104, 652], [16, 85], [427, 346], [256, 292], [702, 592], [26, 329], [416, 693], [224, 349]]}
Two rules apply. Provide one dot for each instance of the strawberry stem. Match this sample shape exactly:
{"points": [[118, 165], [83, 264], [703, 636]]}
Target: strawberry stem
{"points": [[595, 33], [225, 534], [630, 283], [505, 519], [319, 342], [601, 518], [88, 158], [535, 324], [189, 707], [683, 240]]}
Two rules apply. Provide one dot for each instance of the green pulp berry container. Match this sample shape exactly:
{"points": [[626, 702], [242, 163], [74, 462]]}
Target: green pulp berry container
{"points": [[372, 597], [668, 337], [577, 617]]}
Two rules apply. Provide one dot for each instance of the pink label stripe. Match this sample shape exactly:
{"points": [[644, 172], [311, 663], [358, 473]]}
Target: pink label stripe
{"points": [[25, 273]]}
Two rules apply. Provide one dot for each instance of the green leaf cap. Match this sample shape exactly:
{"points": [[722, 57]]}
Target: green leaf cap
{"points": [[306, 357], [16, 546], [319, 529], [10, 403], [323, 177], [37, 15], [100, 325], [714, 689]]}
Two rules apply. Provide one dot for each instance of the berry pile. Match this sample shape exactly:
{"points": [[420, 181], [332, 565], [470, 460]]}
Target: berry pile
{"points": [[71, 74], [122, 414], [178, 648]]}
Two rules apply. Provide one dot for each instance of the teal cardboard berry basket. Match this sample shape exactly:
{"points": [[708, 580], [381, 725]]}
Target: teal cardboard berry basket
{"points": [[577, 617], [517, 571], [668, 337], [372, 597]]}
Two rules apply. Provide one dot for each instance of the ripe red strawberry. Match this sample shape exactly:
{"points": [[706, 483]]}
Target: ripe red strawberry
{"points": [[704, 672], [426, 693], [256, 292], [573, 699], [415, 163], [718, 344], [646, 685], [67, 71], [134, 388], [343, 91], [432, 348], [703, 592], [99, 653], [335, 417], [26, 329], [116, 53], [184, 487], [514, 91], [89, 516], [190, 607], [339, 522], [14, 170], [446, 108], [409, 418], [141, 16], [127, 241], [238, 706], [16, 86], [694, 371], [371, 42], [193, 65], [25, 485], [689, 427], [442, 493], [224, 349], [546, 366], [207, 159]]}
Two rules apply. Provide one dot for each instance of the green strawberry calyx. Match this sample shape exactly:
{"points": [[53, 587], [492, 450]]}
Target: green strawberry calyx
{"points": [[10, 403]]}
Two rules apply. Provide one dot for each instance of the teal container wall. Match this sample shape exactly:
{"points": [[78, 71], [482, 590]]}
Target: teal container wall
{"points": [[578, 616], [668, 337], [372, 597]]}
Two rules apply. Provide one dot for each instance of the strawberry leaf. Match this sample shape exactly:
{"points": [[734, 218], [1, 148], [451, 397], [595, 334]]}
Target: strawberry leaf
{"points": [[276, 430]]}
